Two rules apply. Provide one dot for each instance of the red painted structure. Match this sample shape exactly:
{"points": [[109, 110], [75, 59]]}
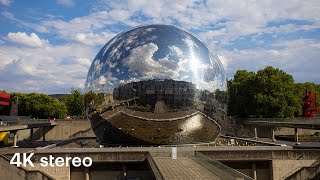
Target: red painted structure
{"points": [[310, 105], [4, 99]]}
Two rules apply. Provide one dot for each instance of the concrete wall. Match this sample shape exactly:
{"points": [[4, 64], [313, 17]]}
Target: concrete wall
{"points": [[284, 168], [290, 131], [235, 128], [65, 129], [77, 173]]}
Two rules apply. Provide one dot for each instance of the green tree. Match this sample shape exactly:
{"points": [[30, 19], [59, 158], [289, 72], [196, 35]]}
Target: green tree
{"points": [[43, 106], [275, 94], [37, 106], [268, 93], [74, 103], [241, 94]]}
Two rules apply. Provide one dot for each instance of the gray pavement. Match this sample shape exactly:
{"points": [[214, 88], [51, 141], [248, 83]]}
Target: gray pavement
{"points": [[182, 168]]}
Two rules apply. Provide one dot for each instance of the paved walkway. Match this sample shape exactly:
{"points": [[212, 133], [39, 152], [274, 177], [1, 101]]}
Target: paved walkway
{"points": [[182, 168]]}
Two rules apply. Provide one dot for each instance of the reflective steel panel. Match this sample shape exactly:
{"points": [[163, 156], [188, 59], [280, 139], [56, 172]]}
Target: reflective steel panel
{"points": [[155, 84]]}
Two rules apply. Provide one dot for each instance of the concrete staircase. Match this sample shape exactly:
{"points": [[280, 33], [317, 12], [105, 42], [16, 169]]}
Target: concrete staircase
{"points": [[311, 172], [9, 171]]}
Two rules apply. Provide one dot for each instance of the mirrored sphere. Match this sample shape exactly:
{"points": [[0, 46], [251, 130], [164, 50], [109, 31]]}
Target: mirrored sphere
{"points": [[155, 84]]}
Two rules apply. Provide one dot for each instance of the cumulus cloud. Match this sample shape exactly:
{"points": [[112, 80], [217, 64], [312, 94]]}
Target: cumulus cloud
{"points": [[23, 38], [18, 69], [23, 23], [5, 2], [147, 66], [102, 80], [296, 57], [88, 29], [144, 55], [40, 69], [219, 21], [176, 50], [224, 61], [144, 66], [66, 2], [84, 61], [93, 38]]}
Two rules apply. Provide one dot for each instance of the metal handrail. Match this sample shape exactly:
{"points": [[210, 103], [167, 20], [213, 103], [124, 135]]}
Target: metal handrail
{"points": [[221, 169]]}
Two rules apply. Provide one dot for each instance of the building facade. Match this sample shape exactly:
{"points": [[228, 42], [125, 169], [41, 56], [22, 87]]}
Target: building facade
{"points": [[173, 93]]}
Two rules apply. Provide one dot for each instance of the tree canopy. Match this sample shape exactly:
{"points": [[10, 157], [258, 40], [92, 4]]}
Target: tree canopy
{"points": [[270, 92], [74, 103], [37, 106], [43, 106]]}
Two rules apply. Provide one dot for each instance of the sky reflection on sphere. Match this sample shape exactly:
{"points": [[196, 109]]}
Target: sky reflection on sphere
{"points": [[155, 52]]}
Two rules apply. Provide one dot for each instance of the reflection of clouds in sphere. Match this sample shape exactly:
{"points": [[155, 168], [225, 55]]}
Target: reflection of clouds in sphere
{"points": [[161, 74], [155, 52]]}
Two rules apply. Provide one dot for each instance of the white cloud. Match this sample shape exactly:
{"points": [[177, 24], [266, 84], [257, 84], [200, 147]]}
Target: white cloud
{"points": [[224, 61], [225, 20], [141, 62], [147, 66], [5, 2], [66, 2], [24, 39], [88, 29], [221, 21], [144, 55], [297, 57], [40, 69], [176, 50], [84, 61], [93, 39], [19, 22], [102, 80], [142, 65]]}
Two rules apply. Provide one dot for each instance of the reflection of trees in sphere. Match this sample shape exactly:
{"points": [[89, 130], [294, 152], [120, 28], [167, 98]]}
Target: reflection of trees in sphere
{"points": [[160, 81]]}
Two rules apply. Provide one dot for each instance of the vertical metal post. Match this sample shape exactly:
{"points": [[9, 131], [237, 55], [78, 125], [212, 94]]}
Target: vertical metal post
{"points": [[174, 153], [124, 171], [15, 139], [255, 133], [254, 170], [296, 136], [272, 135], [86, 170]]}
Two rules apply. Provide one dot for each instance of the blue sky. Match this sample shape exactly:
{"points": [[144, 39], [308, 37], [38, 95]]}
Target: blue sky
{"points": [[48, 46]]}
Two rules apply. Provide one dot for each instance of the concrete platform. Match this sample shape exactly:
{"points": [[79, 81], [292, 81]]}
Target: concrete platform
{"points": [[182, 168], [276, 161]]}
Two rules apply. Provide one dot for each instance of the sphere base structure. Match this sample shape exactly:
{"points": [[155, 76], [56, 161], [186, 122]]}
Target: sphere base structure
{"points": [[122, 128]]}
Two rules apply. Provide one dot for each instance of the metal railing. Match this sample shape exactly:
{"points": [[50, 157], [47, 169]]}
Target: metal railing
{"points": [[24, 122], [283, 120]]}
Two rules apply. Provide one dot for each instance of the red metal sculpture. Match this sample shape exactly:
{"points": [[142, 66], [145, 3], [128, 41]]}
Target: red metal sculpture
{"points": [[310, 105], [4, 99]]}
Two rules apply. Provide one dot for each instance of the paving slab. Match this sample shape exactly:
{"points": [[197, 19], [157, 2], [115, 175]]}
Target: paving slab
{"points": [[182, 168]]}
